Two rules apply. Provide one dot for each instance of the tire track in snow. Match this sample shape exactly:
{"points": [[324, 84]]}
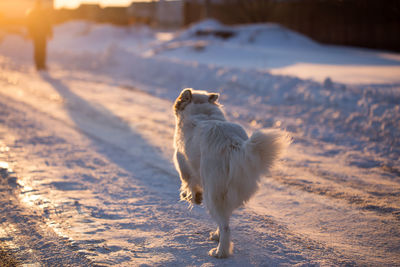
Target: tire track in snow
{"points": [[362, 195], [24, 232]]}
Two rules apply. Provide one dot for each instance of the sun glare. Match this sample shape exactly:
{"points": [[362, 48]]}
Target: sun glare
{"points": [[76, 3]]}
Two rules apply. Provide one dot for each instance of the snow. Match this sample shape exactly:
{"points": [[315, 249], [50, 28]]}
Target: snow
{"points": [[86, 147]]}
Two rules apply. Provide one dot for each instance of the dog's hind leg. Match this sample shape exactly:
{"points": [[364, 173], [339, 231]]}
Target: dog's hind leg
{"points": [[225, 246], [215, 235]]}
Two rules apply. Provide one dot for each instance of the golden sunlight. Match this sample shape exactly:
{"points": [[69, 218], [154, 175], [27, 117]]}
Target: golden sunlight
{"points": [[76, 3]]}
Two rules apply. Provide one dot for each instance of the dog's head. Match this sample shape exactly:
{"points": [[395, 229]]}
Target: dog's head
{"points": [[189, 97]]}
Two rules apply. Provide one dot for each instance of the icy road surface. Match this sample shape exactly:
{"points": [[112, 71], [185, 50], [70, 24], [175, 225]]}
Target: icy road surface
{"points": [[87, 176], [94, 177]]}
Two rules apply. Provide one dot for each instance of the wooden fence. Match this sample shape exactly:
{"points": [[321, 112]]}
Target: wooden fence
{"points": [[365, 23]]}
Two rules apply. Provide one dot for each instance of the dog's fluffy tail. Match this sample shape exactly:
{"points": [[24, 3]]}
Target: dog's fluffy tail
{"points": [[264, 148], [256, 157]]}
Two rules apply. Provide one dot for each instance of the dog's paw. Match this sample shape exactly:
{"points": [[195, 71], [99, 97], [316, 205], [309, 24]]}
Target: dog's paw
{"points": [[214, 236], [218, 253], [183, 195], [198, 198], [191, 197]]}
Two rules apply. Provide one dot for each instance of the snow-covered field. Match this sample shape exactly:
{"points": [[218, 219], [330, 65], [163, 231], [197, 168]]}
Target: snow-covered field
{"points": [[86, 147]]}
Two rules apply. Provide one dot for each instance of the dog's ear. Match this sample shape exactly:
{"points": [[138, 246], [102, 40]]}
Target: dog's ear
{"points": [[184, 98], [186, 95], [213, 97]]}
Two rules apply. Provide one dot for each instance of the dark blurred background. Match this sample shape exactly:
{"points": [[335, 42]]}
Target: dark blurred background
{"points": [[364, 23]]}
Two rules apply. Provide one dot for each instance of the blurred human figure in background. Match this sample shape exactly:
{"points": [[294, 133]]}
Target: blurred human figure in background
{"points": [[39, 29]]}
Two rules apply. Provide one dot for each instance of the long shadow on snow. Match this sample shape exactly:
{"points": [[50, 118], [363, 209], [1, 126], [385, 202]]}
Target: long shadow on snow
{"points": [[102, 127]]}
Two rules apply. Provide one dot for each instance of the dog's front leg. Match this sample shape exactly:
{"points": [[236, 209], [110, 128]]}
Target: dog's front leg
{"points": [[182, 166], [191, 190], [184, 174]]}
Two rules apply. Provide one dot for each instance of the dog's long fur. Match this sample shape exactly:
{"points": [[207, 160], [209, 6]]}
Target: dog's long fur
{"points": [[216, 160]]}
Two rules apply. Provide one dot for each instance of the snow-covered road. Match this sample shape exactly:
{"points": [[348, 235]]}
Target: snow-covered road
{"points": [[87, 176], [95, 180], [93, 164]]}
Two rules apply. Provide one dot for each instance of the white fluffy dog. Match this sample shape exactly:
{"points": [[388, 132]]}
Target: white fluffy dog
{"points": [[217, 161]]}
